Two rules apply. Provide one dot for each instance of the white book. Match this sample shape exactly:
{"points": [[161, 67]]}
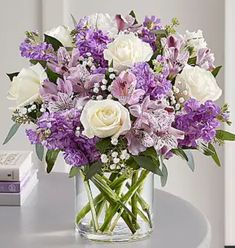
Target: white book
{"points": [[14, 165], [18, 199]]}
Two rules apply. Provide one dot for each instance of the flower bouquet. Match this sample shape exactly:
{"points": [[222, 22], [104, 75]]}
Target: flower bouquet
{"points": [[117, 98]]}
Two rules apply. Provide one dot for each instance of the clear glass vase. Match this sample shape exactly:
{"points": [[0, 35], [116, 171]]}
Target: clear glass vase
{"points": [[114, 206]]}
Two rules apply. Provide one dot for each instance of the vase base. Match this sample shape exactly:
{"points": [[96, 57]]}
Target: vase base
{"points": [[121, 234]]}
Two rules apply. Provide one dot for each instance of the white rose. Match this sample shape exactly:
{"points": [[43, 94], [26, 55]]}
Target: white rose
{"points": [[103, 22], [105, 118], [195, 40], [199, 83], [62, 34], [126, 50], [24, 88]]}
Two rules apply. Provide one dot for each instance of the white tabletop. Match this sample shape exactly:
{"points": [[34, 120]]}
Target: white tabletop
{"points": [[46, 220]]}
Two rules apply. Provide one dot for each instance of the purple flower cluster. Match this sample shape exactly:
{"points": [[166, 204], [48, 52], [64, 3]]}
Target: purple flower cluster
{"points": [[154, 84], [42, 51], [198, 121], [149, 37], [93, 42], [152, 23], [58, 130]]}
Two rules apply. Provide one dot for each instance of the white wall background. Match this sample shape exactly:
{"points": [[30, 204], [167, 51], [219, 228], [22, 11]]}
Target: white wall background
{"points": [[205, 187]]}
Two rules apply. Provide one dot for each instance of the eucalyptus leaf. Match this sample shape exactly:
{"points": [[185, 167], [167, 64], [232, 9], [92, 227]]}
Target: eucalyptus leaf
{"points": [[56, 44], [93, 169], [12, 132], [225, 135], [216, 71], [74, 171], [39, 151], [12, 75], [51, 157]]}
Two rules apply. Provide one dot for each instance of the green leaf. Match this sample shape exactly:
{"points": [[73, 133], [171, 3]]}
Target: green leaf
{"points": [[164, 176], [216, 71], [103, 145], [148, 164], [161, 32], [12, 132], [225, 135], [190, 160], [215, 155], [56, 44], [74, 20], [93, 169], [39, 151], [12, 75], [51, 157], [192, 61], [206, 150], [131, 163], [180, 152], [52, 76], [132, 13], [74, 171], [42, 63]]}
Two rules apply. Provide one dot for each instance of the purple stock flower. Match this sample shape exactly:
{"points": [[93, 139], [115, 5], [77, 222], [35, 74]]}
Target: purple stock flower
{"points": [[144, 76], [198, 121], [148, 36], [155, 84], [93, 42], [42, 51], [59, 131]]}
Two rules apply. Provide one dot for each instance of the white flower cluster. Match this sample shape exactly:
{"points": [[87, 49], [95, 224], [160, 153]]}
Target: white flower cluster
{"points": [[115, 160], [87, 61]]}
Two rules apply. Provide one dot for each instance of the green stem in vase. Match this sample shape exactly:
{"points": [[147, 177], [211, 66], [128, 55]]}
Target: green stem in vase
{"points": [[98, 199], [115, 208], [144, 205], [90, 198], [134, 203]]}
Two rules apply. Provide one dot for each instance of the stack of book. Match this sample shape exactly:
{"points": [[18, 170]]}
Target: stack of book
{"points": [[17, 177]]}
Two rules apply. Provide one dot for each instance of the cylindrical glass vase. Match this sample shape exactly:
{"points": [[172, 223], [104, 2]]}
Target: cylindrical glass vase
{"points": [[114, 206]]}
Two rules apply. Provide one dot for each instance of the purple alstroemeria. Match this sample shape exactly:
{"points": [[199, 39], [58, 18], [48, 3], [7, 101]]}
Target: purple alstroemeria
{"points": [[58, 96], [64, 61], [82, 81], [205, 59], [127, 23], [175, 52], [153, 127], [124, 88]]}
